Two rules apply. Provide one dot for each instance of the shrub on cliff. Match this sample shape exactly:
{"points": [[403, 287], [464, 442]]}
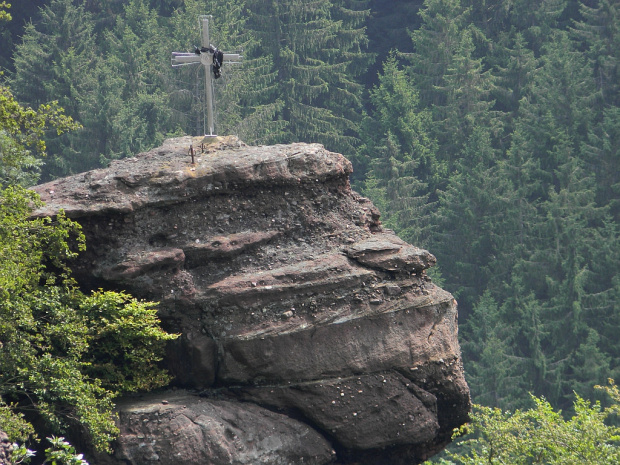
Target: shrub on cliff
{"points": [[541, 435], [65, 354]]}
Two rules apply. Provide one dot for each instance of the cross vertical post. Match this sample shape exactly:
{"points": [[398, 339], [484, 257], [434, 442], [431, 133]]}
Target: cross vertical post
{"points": [[207, 61], [212, 59]]}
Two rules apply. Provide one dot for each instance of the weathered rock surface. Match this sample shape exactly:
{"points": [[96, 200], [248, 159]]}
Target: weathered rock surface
{"points": [[5, 449], [183, 428], [290, 298]]}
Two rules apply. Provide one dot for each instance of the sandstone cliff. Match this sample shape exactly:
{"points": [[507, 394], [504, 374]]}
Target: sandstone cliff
{"points": [[309, 333]]}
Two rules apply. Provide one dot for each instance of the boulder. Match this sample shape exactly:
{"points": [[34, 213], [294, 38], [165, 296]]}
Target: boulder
{"points": [[178, 427], [297, 309]]}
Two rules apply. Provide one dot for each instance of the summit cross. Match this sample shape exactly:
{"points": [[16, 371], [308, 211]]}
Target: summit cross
{"points": [[212, 59]]}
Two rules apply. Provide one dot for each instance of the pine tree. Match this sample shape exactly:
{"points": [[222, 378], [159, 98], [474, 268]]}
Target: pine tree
{"points": [[450, 78], [436, 43], [470, 211], [487, 354], [599, 34], [467, 86], [59, 52], [536, 19], [316, 51], [576, 228], [491, 16], [602, 150], [389, 29], [556, 234], [515, 69], [402, 154], [138, 111], [533, 367]]}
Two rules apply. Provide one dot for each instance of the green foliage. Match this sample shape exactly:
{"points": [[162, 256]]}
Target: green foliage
{"points": [[14, 424], [125, 342], [21, 136], [5, 15], [598, 31], [61, 452], [399, 137], [468, 212], [59, 52], [65, 354], [540, 435], [138, 102], [494, 144], [492, 374]]}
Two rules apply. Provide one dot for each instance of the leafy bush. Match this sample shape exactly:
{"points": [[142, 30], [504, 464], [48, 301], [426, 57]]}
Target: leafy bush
{"points": [[541, 435], [63, 353]]}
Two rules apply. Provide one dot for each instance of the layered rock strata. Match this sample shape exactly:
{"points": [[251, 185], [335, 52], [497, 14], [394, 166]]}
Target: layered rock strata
{"points": [[296, 308]]}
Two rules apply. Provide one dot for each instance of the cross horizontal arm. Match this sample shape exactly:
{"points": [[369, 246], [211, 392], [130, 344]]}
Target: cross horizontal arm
{"points": [[182, 59], [232, 58], [186, 58]]}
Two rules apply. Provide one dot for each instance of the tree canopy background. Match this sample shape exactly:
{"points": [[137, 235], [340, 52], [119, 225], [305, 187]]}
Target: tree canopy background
{"points": [[487, 132]]}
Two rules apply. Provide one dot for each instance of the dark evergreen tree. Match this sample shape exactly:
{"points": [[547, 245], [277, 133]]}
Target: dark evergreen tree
{"points": [[532, 365], [599, 34], [515, 67], [56, 61], [491, 16], [436, 44], [492, 370], [571, 232], [137, 49], [557, 229], [602, 152], [316, 49], [536, 19], [467, 88], [389, 29], [525, 118], [21, 13], [467, 218], [398, 137], [450, 78]]}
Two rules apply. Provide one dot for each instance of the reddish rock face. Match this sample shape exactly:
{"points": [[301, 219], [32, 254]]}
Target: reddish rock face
{"points": [[289, 295], [179, 428], [5, 449]]}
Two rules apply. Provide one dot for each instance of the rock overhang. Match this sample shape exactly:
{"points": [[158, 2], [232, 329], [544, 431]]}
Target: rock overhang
{"points": [[166, 176]]}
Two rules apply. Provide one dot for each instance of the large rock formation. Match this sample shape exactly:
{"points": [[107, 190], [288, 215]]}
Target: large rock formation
{"points": [[312, 334]]}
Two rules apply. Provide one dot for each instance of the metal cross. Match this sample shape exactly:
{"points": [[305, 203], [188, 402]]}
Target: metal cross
{"points": [[212, 59]]}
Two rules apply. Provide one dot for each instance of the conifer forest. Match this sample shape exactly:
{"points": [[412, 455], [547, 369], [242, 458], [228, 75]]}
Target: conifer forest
{"points": [[486, 131]]}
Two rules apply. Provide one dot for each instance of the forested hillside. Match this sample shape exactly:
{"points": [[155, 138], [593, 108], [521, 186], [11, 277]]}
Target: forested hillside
{"points": [[487, 132]]}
